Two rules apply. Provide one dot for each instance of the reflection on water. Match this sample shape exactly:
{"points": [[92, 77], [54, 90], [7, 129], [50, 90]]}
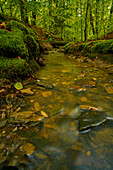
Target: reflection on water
{"points": [[69, 125]]}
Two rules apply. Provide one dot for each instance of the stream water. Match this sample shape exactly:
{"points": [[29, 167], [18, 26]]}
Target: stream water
{"points": [[67, 123]]}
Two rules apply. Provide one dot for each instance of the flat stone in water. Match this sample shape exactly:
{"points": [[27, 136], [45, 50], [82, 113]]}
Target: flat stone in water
{"points": [[109, 89], [86, 82], [91, 119], [90, 108], [3, 123], [28, 148], [22, 115]]}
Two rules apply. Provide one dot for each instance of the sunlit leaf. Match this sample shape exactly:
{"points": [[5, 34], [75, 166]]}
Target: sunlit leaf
{"points": [[18, 86]]}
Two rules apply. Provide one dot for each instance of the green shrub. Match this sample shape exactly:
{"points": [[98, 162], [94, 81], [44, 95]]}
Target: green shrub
{"points": [[102, 46], [3, 17]]}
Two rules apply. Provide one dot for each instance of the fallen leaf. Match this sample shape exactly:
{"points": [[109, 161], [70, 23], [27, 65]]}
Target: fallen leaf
{"points": [[37, 106], [88, 153], [31, 101], [18, 86], [44, 114]]}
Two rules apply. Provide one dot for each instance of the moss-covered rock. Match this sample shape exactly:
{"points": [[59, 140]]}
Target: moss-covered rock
{"points": [[32, 46], [12, 45], [100, 48], [14, 68]]}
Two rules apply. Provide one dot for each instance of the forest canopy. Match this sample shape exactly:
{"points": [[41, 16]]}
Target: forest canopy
{"points": [[69, 20]]}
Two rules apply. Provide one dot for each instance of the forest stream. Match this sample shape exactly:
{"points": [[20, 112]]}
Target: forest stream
{"points": [[67, 121]]}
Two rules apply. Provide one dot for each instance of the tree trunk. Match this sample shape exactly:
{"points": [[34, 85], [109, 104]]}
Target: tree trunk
{"points": [[23, 12], [81, 20], [86, 22], [34, 15], [111, 11], [97, 17], [91, 20]]}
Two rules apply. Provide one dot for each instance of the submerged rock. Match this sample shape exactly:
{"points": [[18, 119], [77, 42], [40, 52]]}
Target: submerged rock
{"points": [[89, 108], [27, 148]]}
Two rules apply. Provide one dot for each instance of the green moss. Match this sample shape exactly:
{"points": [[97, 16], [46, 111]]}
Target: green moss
{"points": [[12, 45], [32, 46], [15, 26], [13, 68]]}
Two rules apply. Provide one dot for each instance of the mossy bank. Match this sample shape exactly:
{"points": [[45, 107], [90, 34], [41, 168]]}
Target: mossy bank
{"points": [[102, 49], [19, 49]]}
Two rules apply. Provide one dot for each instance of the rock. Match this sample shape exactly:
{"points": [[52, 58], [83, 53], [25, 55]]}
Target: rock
{"points": [[3, 123], [28, 148], [22, 115], [86, 82], [27, 91], [109, 89], [2, 146], [91, 119], [89, 108], [2, 158]]}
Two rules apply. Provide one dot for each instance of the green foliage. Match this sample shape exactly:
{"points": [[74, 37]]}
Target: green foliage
{"points": [[92, 49], [103, 46], [3, 17]]}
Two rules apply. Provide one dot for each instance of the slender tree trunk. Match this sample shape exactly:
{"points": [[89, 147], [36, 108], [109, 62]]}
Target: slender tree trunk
{"points": [[92, 20], [81, 20], [24, 18], [97, 17], [34, 15], [86, 22], [111, 11], [50, 12]]}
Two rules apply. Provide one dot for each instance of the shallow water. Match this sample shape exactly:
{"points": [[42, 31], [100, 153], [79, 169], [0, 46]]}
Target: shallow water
{"points": [[76, 130]]}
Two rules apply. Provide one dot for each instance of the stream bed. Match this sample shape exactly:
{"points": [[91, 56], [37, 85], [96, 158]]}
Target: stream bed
{"points": [[66, 121]]}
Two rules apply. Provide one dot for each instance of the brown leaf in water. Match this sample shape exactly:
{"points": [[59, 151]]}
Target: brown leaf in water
{"points": [[44, 114], [37, 106]]}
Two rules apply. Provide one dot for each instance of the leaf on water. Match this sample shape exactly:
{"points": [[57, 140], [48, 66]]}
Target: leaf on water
{"points": [[84, 99], [31, 101], [36, 118], [18, 86], [44, 114], [64, 83], [15, 129], [88, 153], [28, 148], [37, 106], [46, 94]]}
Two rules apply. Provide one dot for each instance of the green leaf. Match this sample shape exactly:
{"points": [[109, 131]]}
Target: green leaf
{"points": [[18, 86]]}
